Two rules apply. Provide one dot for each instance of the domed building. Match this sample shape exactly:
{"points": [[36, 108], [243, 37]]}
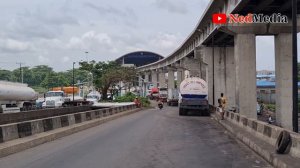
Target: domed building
{"points": [[139, 58], [136, 59]]}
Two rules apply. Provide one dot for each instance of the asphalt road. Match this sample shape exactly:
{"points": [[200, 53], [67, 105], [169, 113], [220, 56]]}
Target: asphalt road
{"points": [[147, 139]]}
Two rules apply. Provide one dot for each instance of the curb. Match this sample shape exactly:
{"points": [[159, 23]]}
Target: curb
{"points": [[19, 145], [270, 157]]}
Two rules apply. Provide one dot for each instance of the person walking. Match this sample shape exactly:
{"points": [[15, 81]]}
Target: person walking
{"points": [[223, 104], [219, 108]]}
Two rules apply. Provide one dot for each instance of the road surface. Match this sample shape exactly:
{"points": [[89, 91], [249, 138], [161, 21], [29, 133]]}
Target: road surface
{"points": [[147, 139]]}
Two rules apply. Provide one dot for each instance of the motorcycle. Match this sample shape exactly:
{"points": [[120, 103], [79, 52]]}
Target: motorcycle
{"points": [[160, 106]]}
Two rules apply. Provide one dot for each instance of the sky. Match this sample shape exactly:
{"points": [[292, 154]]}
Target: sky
{"points": [[59, 32]]}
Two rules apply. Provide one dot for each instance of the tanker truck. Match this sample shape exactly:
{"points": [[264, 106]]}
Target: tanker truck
{"points": [[16, 97], [193, 96]]}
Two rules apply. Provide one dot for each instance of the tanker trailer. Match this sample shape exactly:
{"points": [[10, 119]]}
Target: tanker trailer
{"points": [[193, 96], [15, 97]]}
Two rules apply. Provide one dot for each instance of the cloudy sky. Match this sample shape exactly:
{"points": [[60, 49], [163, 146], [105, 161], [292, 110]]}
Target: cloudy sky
{"points": [[58, 32]]}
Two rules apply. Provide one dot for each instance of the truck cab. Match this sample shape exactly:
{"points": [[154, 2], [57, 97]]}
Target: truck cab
{"points": [[163, 94], [54, 99]]}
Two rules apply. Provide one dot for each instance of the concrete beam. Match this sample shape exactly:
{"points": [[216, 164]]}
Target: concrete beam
{"points": [[283, 69], [245, 61], [262, 5]]}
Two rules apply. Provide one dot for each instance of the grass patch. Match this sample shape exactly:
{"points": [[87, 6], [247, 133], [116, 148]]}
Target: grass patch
{"points": [[129, 97], [271, 107]]}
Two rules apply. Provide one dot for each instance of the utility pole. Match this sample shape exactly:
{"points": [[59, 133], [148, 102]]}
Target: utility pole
{"points": [[21, 71], [73, 80], [295, 64], [213, 67]]}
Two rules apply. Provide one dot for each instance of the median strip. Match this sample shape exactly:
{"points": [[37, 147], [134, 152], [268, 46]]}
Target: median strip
{"points": [[73, 126]]}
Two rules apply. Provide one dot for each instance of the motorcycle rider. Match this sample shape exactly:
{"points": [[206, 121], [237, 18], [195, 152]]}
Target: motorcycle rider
{"points": [[160, 104], [137, 102]]}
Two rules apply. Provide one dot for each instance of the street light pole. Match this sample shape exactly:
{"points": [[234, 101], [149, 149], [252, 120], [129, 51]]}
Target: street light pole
{"points": [[295, 65], [86, 56], [73, 80]]}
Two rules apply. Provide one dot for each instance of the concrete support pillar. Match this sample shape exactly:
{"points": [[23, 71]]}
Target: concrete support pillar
{"points": [[220, 74], [140, 85], [209, 60], [154, 78], [230, 76], [171, 83], [245, 60], [146, 79], [180, 77], [146, 84], [196, 65], [192, 65], [283, 71], [162, 79]]}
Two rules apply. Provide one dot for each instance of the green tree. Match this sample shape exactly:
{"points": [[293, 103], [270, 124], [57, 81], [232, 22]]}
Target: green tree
{"points": [[108, 74], [48, 81], [5, 75], [79, 75], [39, 73], [28, 76]]}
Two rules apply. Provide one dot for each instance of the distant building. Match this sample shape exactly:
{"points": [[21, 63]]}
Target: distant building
{"points": [[266, 91], [265, 77], [136, 59], [265, 72]]}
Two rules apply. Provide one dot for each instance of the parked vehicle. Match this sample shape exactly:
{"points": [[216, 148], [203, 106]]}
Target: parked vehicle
{"points": [[163, 94], [93, 97], [154, 93], [16, 97], [193, 96], [172, 97]]}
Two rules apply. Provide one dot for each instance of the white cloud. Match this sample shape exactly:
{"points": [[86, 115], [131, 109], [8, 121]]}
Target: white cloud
{"points": [[166, 41], [91, 41], [43, 59], [38, 23], [126, 15], [173, 6], [65, 59], [11, 45]]}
